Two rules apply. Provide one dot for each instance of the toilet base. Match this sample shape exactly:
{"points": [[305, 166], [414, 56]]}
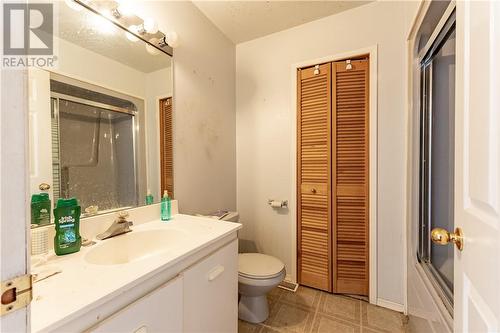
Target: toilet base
{"points": [[253, 309]]}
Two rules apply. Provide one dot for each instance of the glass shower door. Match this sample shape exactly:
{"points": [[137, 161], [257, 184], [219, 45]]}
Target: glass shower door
{"points": [[95, 154]]}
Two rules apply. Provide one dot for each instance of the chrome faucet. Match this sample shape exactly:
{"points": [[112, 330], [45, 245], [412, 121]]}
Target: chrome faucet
{"points": [[119, 226]]}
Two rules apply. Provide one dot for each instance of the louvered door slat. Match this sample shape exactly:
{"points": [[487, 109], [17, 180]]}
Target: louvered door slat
{"points": [[314, 177], [350, 175]]}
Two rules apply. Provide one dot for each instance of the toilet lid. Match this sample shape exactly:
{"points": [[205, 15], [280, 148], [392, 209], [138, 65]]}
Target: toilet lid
{"points": [[259, 265]]}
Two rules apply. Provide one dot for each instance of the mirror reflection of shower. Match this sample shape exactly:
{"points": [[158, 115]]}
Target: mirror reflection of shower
{"points": [[93, 152]]}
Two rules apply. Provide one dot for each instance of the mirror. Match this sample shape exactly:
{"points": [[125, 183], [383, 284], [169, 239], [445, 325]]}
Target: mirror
{"points": [[101, 120]]}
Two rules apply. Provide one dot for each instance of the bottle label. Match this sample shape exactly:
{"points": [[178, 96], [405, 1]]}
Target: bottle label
{"points": [[67, 236], [66, 219], [44, 216]]}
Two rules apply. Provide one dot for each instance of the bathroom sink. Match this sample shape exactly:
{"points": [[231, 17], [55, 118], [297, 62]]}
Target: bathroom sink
{"points": [[133, 246]]}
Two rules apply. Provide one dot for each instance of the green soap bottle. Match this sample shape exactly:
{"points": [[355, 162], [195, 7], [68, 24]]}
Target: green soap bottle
{"points": [[149, 198], [166, 207], [67, 222], [40, 209]]}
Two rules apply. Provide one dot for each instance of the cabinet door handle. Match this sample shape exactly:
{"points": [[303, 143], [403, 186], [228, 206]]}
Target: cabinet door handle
{"points": [[214, 273]]}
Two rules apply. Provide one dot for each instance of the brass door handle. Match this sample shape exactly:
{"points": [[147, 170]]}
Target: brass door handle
{"points": [[44, 187], [443, 237]]}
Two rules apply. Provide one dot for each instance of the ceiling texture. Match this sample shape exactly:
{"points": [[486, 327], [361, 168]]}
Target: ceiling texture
{"points": [[242, 21]]}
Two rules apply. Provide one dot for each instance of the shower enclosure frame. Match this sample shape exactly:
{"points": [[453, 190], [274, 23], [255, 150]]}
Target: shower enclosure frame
{"points": [[444, 29]]}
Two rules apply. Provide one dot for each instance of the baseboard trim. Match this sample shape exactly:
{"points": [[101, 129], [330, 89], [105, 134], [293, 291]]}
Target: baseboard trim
{"points": [[390, 305]]}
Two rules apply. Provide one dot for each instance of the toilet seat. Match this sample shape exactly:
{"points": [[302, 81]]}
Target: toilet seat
{"points": [[259, 266]]}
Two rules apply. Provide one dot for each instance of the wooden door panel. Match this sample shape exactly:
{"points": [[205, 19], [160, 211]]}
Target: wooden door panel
{"points": [[315, 257], [350, 177], [314, 176]]}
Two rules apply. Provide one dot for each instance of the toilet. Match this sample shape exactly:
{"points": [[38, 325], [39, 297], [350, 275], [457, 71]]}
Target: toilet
{"points": [[257, 275]]}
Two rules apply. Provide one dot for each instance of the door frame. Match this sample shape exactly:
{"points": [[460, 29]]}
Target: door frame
{"points": [[14, 184], [371, 51]]}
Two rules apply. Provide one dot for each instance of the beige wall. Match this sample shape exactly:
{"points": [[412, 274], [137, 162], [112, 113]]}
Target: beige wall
{"points": [[82, 64], [264, 128], [158, 84], [204, 108]]}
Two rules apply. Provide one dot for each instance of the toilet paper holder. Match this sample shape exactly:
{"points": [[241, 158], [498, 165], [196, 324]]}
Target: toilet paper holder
{"points": [[277, 203]]}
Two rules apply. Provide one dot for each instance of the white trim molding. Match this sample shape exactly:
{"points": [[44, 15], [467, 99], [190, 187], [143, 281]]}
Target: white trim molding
{"points": [[390, 305], [373, 158]]}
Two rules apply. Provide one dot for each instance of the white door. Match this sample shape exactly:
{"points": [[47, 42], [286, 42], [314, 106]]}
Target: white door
{"points": [[477, 167]]}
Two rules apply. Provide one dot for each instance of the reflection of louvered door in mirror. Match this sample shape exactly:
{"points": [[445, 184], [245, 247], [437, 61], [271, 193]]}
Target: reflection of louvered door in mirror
{"points": [[166, 147], [313, 171], [350, 176]]}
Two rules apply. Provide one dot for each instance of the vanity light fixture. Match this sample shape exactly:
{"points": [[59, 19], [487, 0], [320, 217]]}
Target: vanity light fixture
{"points": [[171, 38], [125, 8], [121, 13], [116, 13], [130, 35], [151, 49], [102, 24], [150, 25]]}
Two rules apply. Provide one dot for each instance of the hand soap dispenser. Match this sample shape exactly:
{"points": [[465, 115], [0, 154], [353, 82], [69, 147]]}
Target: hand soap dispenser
{"points": [[166, 207], [149, 198]]}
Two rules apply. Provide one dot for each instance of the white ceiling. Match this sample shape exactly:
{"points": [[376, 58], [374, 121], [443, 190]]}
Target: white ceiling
{"points": [[242, 21]]}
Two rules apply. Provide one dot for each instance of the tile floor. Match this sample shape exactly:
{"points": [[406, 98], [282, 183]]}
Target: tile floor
{"points": [[312, 311]]}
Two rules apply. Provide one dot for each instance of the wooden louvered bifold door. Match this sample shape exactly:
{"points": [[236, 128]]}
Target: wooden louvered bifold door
{"points": [[166, 147], [314, 176], [350, 177]]}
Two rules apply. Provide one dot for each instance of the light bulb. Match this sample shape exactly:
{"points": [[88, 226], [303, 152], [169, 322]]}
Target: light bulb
{"points": [[130, 36], [151, 49], [102, 24], [172, 39], [150, 25], [73, 5], [106, 12], [125, 8]]}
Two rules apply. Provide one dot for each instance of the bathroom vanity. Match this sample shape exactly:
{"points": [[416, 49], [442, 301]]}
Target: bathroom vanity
{"points": [[176, 276]]}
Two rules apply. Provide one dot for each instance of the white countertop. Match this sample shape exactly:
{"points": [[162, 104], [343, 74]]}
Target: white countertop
{"points": [[82, 286]]}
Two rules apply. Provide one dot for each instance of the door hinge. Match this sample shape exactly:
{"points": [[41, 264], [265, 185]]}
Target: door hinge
{"points": [[16, 293]]}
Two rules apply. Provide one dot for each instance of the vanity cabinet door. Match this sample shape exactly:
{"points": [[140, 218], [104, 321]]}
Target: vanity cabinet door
{"points": [[211, 293], [159, 311]]}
